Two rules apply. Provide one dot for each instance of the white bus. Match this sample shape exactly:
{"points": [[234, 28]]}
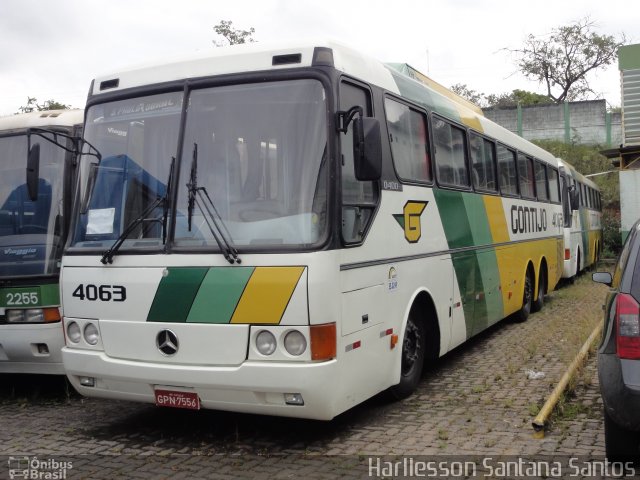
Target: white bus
{"points": [[582, 207], [291, 230], [35, 214]]}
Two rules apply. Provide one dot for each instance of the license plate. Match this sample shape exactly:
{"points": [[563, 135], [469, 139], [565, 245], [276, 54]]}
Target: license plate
{"points": [[175, 399]]}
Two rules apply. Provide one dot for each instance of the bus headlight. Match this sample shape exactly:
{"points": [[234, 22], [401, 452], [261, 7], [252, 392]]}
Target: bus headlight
{"points": [[73, 332], [91, 334], [295, 343], [34, 315], [265, 342], [15, 316]]}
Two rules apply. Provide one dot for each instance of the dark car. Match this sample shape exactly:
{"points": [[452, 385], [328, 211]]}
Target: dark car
{"points": [[619, 353]]}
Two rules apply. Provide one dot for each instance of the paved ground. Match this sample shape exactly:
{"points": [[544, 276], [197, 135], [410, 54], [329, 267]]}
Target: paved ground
{"points": [[478, 400]]}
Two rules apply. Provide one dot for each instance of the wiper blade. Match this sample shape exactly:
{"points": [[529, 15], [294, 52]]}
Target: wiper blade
{"points": [[200, 197], [167, 199], [107, 256]]}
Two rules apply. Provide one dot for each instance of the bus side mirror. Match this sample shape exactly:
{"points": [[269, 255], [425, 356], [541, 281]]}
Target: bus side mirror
{"points": [[367, 148], [33, 171], [602, 277]]}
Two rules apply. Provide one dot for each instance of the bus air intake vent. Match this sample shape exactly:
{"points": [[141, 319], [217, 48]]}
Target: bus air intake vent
{"points": [[107, 84], [286, 59]]}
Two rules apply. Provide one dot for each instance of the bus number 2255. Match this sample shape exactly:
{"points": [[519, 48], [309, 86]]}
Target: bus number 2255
{"points": [[104, 293]]}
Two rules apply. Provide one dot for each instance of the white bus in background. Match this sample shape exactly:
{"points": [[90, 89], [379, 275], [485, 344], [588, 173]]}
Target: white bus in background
{"points": [[291, 230], [582, 211], [36, 196]]}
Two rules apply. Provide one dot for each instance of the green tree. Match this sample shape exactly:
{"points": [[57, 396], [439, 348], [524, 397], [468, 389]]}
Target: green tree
{"points": [[562, 60], [517, 97], [501, 100], [33, 106], [467, 93], [231, 35]]}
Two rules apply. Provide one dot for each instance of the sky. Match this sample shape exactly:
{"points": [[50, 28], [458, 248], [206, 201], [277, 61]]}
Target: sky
{"points": [[53, 49]]}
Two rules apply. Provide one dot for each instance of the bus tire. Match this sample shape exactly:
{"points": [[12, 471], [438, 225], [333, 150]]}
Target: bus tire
{"points": [[413, 354], [537, 304], [527, 298]]}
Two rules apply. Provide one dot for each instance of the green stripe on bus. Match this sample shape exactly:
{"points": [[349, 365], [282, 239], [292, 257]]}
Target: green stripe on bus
{"points": [[465, 223], [418, 93], [478, 221], [175, 294], [455, 219], [491, 293], [219, 294], [465, 266]]}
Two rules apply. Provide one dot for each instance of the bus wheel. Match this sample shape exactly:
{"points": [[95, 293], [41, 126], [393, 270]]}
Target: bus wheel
{"points": [[542, 286], [527, 298], [413, 352]]}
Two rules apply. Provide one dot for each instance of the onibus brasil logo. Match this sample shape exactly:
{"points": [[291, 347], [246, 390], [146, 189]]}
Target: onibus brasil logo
{"points": [[409, 219]]}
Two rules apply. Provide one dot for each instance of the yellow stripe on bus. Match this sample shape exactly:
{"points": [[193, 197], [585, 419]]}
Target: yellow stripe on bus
{"points": [[267, 295], [497, 219]]}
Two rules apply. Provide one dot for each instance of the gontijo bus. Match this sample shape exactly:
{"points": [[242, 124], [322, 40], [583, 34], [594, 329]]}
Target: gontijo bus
{"points": [[582, 207], [35, 214], [291, 230]]}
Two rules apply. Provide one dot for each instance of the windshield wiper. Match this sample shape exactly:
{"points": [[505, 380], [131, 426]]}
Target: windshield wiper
{"points": [[107, 256], [200, 197]]}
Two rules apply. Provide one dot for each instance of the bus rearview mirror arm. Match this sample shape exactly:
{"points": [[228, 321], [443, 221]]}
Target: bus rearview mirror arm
{"points": [[367, 142]]}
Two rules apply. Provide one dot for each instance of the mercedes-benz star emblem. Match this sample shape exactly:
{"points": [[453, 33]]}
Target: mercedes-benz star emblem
{"points": [[167, 342]]}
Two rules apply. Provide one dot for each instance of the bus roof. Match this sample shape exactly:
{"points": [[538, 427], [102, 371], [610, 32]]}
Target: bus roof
{"points": [[45, 118], [256, 57], [244, 58], [577, 175]]}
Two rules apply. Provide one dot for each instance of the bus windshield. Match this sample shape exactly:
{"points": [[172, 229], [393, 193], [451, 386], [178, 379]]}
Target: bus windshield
{"points": [[31, 236], [254, 151]]}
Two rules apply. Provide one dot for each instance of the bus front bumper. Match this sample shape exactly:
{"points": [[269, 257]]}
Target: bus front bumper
{"points": [[252, 387], [31, 348]]}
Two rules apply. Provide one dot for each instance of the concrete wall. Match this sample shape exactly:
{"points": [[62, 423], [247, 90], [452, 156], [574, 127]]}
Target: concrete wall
{"points": [[581, 122]]}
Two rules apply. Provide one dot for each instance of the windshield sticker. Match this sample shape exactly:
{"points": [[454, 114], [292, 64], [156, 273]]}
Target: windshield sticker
{"points": [[100, 221]]}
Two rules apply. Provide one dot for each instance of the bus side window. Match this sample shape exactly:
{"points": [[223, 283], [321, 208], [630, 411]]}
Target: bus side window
{"points": [[525, 172], [483, 163], [359, 199], [554, 194], [450, 153], [507, 171], [541, 180], [408, 138]]}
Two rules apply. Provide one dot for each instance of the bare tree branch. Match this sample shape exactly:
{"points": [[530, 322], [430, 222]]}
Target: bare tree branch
{"points": [[562, 60]]}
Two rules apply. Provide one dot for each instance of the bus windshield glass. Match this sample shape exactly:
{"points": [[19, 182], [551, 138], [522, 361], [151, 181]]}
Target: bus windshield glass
{"points": [[137, 139], [253, 158], [31, 237]]}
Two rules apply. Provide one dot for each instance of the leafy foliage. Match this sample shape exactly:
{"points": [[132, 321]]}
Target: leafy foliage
{"points": [[501, 100], [562, 60], [33, 106], [521, 97], [467, 93], [231, 35]]}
